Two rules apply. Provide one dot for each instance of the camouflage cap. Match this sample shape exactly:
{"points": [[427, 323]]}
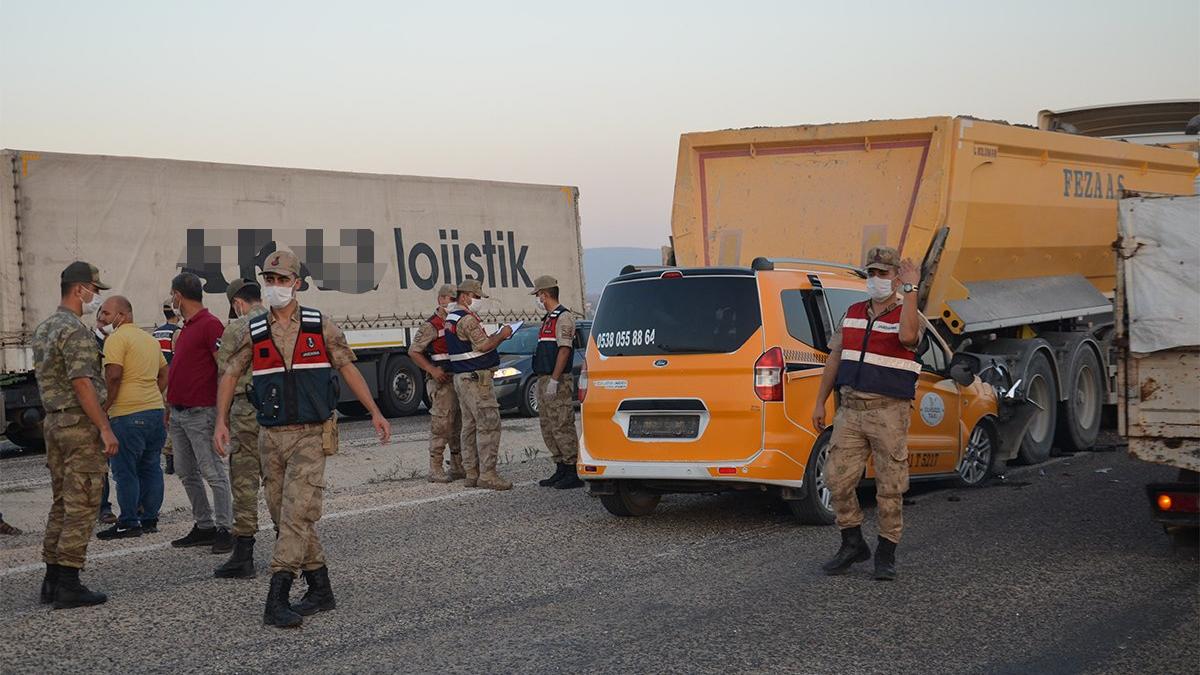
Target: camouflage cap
{"points": [[80, 272], [883, 258], [471, 286], [282, 262], [543, 282], [446, 290], [237, 285]]}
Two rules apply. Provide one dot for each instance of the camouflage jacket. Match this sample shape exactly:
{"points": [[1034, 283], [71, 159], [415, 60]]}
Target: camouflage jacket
{"points": [[64, 349], [233, 336]]}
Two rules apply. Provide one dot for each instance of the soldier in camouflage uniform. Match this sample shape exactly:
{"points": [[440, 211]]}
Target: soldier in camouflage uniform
{"points": [[428, 350], [552, 361], [293, 350], [473, 360], [77, 433], [872, 362], [245, 464]]}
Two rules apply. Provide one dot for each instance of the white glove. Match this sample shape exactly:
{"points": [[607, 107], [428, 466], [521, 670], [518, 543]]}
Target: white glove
{"points": [[552, 387]]}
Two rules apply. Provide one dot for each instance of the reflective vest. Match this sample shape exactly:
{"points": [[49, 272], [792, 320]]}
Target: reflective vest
{"points": [[873, 360], [545, 356], [462, 358], [438, 350], [165, 334], [306, 393]]}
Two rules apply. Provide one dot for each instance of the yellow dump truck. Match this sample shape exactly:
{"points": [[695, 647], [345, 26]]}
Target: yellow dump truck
{"points": [[1014, 227]]}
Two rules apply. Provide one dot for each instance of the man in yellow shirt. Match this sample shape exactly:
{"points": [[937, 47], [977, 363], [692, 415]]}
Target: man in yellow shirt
{"points": [[136, 374]]}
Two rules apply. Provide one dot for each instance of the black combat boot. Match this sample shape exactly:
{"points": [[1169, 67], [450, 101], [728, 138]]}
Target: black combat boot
{"points": [[853, 550], [319, 596], [69, 593], [222, 541], [569, 480], [49, 584], [278, 612], [885, 560], [560, 471], [241, 564]]}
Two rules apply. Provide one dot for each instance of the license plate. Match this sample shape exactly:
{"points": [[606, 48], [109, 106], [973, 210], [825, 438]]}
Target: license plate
{"points": [[664, 426]]}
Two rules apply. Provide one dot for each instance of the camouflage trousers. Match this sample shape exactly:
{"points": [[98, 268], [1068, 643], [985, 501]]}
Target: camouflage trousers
{"points": [[480, 421], [245, 467], [557, 416], [445, 425], [882, 434], [78, 471], [293, 463]]}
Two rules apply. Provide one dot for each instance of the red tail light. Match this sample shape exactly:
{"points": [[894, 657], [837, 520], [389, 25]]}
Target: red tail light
{"points": [[768, 375], [1178, 502], [583, 381]]}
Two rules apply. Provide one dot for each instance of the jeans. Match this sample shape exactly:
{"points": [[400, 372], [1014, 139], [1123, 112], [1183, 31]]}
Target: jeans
{"points": [[136, 468], [197, 463]]}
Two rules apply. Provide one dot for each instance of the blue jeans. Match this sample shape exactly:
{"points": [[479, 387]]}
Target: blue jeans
{"points": [[136, 468]]}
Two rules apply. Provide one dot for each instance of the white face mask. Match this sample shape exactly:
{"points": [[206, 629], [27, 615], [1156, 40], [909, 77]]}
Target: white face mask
{"points": [[277, 296], [879, 288], [108, 328], [537, 302], [92, 306], [481, 306]]}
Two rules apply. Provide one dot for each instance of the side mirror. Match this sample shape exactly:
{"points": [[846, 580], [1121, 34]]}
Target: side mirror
{"points": [[964, 368]]}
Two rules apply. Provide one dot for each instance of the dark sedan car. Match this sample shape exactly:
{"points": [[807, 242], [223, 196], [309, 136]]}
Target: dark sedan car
{"points": [[515, 382]]}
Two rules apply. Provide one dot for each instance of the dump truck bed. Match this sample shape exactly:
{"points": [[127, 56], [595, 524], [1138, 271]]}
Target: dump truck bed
{"points": [[1024, 212]]}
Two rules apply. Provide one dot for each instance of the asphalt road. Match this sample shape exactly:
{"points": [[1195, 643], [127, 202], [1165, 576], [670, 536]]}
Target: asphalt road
{"points": [[1054, 569]]}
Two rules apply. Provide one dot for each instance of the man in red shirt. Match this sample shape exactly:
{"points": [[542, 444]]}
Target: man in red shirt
{"points": [[192, 413]]}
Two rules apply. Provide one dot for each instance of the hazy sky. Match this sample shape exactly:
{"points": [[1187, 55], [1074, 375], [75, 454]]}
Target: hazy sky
{"points": [[586, 94]]}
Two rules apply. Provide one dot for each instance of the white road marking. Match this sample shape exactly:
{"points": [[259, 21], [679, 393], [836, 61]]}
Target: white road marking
{"points": [[121, 553]]}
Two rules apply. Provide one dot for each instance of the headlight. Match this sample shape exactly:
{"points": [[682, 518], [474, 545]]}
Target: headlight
{"points": [[505, 373]]}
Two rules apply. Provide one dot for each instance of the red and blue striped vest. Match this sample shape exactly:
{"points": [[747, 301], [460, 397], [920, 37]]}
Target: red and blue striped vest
{"points": [[306, 393], [545, 355], [873, 360], [463, 358], [438, 350]]}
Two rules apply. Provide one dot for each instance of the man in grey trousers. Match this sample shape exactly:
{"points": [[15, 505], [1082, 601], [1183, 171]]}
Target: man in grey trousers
{"points": [[192, 413]]}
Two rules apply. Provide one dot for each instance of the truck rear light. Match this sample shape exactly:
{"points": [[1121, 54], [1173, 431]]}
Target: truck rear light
{"points": [[768, 375], [1178, 502], [583, 381]]}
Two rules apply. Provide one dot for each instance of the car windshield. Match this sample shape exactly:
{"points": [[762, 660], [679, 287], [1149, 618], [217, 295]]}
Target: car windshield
{"points": [[688, 315], [523, 342]]}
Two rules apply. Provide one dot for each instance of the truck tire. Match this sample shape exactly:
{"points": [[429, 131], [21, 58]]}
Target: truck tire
{"points": [[28, 439], [402, 388], [816, 508], [629, 501], [1079, 416], [1041, 390]]}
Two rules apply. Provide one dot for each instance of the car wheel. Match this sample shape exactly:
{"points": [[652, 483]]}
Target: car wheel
{"points": [[979, 457], [402, 388], [529, 399], [630, 501], [1079, 415], [28, 439], [1042, 393], [816, 508]]}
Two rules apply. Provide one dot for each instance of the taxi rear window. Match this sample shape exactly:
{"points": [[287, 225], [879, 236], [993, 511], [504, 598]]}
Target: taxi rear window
{"points": [[686, 315]]}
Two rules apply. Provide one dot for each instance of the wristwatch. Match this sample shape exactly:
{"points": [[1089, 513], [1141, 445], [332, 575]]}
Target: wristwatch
{"points": [[908, 288]]}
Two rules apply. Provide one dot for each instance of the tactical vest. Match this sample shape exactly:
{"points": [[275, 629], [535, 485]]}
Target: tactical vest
{"points": [[165, 334], [306, 393], [438, 350], [545, 356], [873, 360], [462, 358]]}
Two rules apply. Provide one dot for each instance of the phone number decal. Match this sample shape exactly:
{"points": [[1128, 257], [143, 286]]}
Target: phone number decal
{"points": [[625, 338]]}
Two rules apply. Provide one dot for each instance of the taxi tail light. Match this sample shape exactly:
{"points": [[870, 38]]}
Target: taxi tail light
{"points": [[768, 375], [583, 381]]}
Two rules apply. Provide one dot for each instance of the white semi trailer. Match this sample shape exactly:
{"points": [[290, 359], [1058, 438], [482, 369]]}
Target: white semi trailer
{"points": [[375, 248]]}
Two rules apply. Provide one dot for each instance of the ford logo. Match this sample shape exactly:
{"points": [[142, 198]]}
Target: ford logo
{"points": [[661, 363]]}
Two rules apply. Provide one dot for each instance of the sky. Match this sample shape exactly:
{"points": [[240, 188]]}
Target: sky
{"points": [[587, 94]]}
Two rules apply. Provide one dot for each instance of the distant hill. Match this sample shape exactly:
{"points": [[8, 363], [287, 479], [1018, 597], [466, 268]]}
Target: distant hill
{"points": [[603, 263]]}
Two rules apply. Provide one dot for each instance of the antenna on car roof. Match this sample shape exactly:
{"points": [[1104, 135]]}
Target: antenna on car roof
{"points": [[762, 264]]}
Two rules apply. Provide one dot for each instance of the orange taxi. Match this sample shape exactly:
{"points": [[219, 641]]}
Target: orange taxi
{"points": [[703, 380]]}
